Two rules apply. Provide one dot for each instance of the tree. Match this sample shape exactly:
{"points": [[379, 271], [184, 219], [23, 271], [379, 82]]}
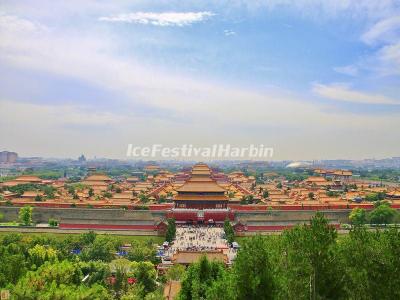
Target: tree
{"points": [[358, 216], [13, 264], [229, 231], [53, 223], [176, 272], [162, 199], [370, 261], [200, 278], [87, 238], [265, 194], [253, 271], [49, 191], [143, 198], [91, 192], [71, 190], [120, 268], [383, 214], [1, 217], [311, 195], [39, 254], [38, 198], [310, 270], [101, 249], [60, 280], [145, 275], [25, 215], [141, 252], [171, 230], [279, 185], [222, 288]]}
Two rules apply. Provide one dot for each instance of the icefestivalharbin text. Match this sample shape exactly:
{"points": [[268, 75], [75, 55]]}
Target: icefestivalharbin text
{"points": [[189, 151]]}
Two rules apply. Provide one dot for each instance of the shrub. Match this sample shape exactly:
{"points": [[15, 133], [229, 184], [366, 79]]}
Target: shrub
{"points": [[141, 207], [53, 222]]}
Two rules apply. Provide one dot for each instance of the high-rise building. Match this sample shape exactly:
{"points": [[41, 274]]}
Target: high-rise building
{"points": [[8, 157]]}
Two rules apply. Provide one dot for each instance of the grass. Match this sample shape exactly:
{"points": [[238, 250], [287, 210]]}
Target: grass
{"points": [[9, 224], [61, 236]]}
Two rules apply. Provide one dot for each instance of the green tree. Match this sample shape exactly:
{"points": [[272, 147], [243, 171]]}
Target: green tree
{"points": [[103, 248], [176, 272], [253, 270], [71, 190], [49, 191], [141, 252], [143, 198], [199, 278], [61, 280], [171, 230], [229, 231], [107, 194], [222, 288], [13, 264], [145, 275], [265, 194], [358, 216], [383, 214], [310, 270], [53, 223], [39, 254], [87, 238], [371, 262], [162, 199], [25, 215], [121, 268]]}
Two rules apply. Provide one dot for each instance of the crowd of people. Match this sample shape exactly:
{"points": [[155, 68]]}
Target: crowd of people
{"points": [[199, 238]]}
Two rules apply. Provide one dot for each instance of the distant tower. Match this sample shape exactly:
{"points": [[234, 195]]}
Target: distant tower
{"points": [[82, 158]]}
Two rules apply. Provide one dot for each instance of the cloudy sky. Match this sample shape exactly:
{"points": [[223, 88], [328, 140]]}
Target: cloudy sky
{"points": [[312, 79]]}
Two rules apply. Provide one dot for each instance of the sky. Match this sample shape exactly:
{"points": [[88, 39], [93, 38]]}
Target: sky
{"points": [[313, 79]]}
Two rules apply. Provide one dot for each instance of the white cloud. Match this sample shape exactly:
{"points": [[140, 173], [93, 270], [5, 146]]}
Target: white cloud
{"points": [[319, 9], [385, 35], [229, 32], [389, 57], [350, 70], [13, 23], [385, 30], [342, 92], [160, 19], [215, 113]]}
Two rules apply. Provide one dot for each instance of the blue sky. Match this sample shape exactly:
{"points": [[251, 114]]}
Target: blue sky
{"points": [[312, 79]]}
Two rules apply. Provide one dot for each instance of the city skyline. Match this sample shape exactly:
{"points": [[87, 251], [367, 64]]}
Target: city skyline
{"points": [[311, 79]]}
